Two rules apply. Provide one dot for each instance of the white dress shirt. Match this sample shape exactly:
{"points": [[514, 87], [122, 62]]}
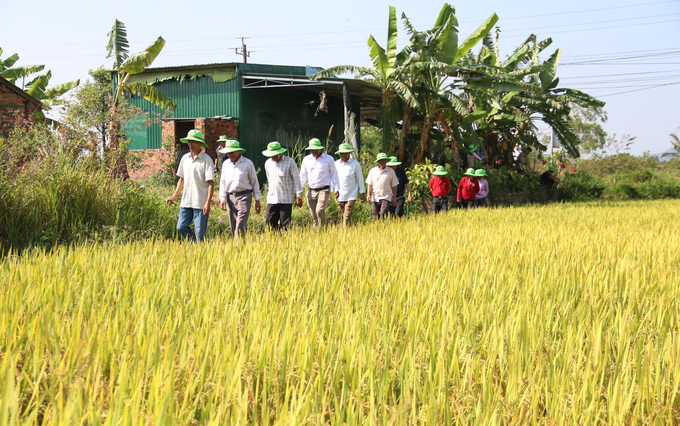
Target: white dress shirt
{"points": [[351, 180], [382, 181], [197, 174], [283, 179], [318, 172], [239, 177]]}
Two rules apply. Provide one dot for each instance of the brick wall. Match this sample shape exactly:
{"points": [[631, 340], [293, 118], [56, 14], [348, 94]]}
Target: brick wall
{"points": [[14, 110], [153, 160]]}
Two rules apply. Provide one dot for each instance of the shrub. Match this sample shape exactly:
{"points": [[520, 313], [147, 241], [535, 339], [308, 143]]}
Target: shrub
{"points": [[581, 186]]}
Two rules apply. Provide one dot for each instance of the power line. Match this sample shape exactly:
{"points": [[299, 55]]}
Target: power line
{"points": [[377, 29], [638, 90]]}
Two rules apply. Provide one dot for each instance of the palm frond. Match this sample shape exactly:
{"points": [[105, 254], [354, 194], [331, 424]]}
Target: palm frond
{"points": [[13, 74], [118, 46], [137, 62], [152, 94]]}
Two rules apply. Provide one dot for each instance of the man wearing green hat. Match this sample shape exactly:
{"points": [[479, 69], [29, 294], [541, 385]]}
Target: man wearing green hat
{"points": [[318, 170], [351, 181], [474, 156], [548, 178], [480, 198], [382, 187], [404, 185], [220, 157], [283, 179], [468, 188], [238, 185], [196, 174], [440, 186]]}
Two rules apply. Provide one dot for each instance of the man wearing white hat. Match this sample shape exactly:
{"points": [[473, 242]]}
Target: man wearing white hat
{"points": [[318, 169], [196, 174], [238, 186], [351, 181], [284, 187]]}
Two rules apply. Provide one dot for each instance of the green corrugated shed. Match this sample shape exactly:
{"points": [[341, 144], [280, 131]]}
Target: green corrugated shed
{"points": [[281, 108], [196, 98]]}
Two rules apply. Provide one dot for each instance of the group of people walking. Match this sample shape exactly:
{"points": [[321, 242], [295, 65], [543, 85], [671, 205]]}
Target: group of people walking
{"points": [[386, 186], [471, 192]]}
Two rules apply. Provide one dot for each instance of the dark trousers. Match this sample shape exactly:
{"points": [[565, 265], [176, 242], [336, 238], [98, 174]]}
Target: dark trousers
{"points": [[480, 202], [278, 215], [380, 209], [398, 210], [467, 204], [440, 204]]}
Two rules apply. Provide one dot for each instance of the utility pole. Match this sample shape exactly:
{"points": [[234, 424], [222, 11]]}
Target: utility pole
{"points": [[244, 50]]}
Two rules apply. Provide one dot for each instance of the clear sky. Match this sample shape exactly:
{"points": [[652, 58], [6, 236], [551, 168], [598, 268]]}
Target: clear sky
{"points": [[624, 52]]}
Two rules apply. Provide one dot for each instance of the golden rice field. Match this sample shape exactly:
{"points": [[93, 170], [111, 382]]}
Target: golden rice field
{"points": [[561, 314]]}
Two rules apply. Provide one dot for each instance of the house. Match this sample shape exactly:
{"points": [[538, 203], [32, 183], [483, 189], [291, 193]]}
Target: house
{"points": [[16, 107], [253, 103]]}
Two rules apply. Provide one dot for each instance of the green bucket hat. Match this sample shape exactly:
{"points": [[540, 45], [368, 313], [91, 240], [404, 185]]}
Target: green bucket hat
{"points": [[470, 172], [472, 147], [394, 161], [314, 143], [344, 148], [231, 146], [480, 173], [195, 135], [273, 148], [381, 156], [552, 168], [222, 138], [440, 171]]}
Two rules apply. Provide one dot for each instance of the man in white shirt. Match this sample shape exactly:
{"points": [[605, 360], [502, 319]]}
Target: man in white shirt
{"points": [[318, 169], [195, 173], [283, 179], [351, 181], [382, 187], [238, 185]]}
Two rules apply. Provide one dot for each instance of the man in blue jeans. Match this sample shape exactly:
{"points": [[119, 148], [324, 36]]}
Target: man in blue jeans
{"points": [[196, 174]]}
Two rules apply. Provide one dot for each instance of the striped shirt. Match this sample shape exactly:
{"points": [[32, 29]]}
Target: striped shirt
{"points": [[283, 180]]}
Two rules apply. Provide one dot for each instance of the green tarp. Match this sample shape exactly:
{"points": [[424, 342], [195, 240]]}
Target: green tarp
{"points": [[218, 75]]}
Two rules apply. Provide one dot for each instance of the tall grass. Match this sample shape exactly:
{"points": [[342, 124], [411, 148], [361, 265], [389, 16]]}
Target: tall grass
{"points": [[561, 314]]}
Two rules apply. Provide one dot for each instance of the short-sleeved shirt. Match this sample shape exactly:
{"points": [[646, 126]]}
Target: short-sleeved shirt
{"points": [[382, 182], [402, 178], [197, 173]]}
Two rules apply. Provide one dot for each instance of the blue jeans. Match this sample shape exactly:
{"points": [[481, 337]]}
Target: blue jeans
{"points": [[480, 202], [186, 216]]}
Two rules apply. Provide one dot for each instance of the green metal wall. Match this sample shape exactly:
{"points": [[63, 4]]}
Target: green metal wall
{"points": [[194, 98], [283, 114]]}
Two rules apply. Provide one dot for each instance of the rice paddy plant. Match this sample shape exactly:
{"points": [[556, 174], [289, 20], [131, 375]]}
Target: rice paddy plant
{"points": [[558, 314]]}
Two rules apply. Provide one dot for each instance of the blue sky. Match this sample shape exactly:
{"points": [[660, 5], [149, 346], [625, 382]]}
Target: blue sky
{"points": [[636, 43]]}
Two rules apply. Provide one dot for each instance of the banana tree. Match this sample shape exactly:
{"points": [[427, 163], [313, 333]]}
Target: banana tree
{"points": [[125, 65], [508, 96], [384, 73], [12, 73], [49, 97], [436, 54]]}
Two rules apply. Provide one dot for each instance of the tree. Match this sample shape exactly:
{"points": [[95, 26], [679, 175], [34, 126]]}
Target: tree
{"points": [[505, 98], [91, 104], [675, 141], [12, 73], [125, 65], [585, 123], [435, 57], [383, 74]]}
